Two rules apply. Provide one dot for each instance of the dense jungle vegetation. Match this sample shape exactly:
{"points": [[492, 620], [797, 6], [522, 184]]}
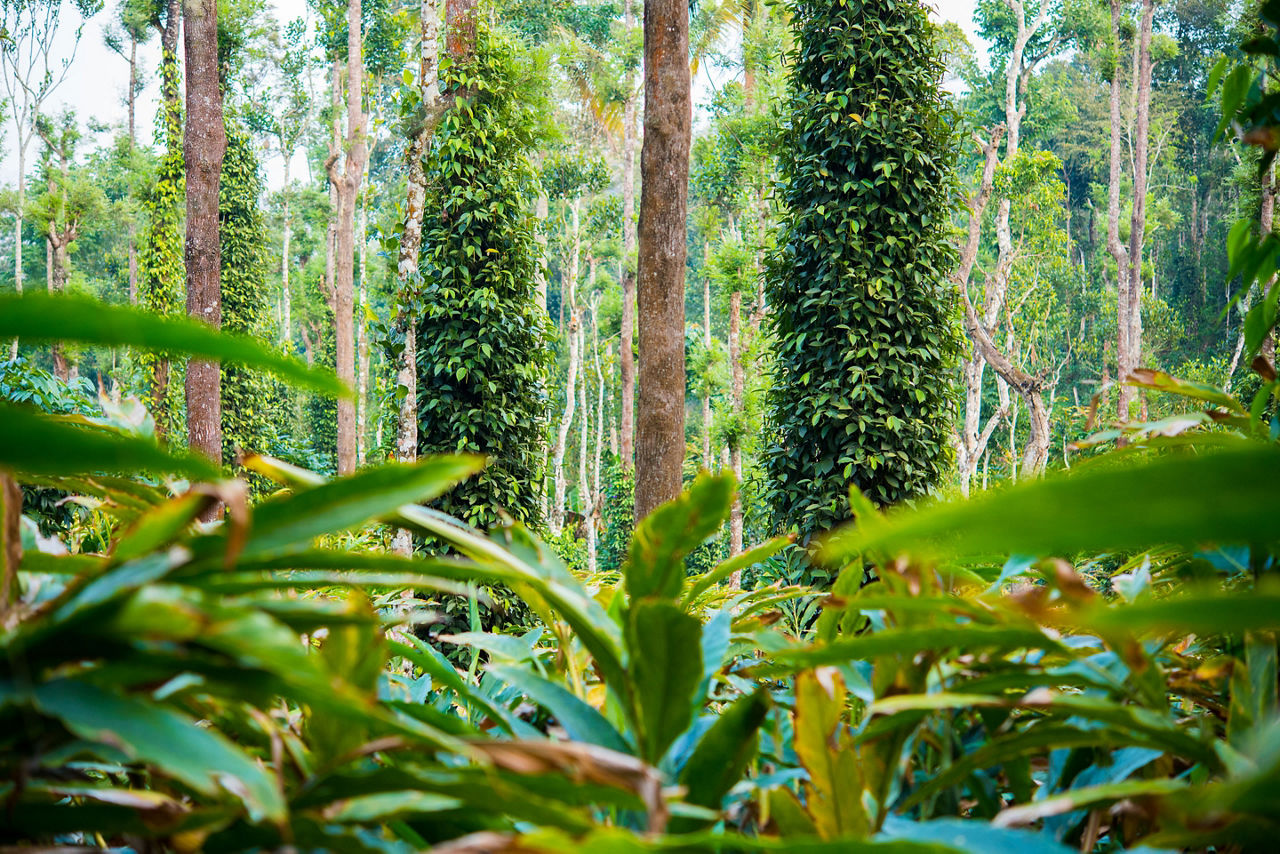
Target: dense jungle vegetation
{"points": [[541, 426]]}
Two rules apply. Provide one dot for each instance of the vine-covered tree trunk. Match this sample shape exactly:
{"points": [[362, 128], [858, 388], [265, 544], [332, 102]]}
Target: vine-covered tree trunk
{"points": [[857, 291], [664, 196], [205, 144], [347, 186]]}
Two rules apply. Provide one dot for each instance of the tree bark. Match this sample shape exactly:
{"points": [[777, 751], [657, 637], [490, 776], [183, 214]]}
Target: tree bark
{"points": [[584, 475], [540, 284], [707, 461], [203, 148], [347, 186], [1131, 341], [626, 351], [664, 187], [362, 332], [569, 303], [735, 447], [410, 249], [1118, 251], [286, 300]]}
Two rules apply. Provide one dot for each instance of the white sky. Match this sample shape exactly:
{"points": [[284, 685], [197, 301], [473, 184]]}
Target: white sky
{"points": [[96, 86]]}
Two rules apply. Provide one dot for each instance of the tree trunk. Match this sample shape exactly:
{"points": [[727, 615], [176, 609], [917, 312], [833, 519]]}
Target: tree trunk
{"points": [[407, 259], [286, 300], [540, 276], [664, 188], [735, 447], [1138, 220], [362, 332], [347, 186], [569, 303], [626, 349], [1118, 252], [203, 149], [707, 459], [17, 229], [584, 446]]}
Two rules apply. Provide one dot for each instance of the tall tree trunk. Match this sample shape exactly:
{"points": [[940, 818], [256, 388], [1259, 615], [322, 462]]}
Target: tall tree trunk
{"points": [[410, 248], [204, 146], [596, 494], [1118, 251], [286, 299], [347, 183], [707, 460], [1132, 314], [362, 332], [569, 302], [735, 447], [626, 350], [17, 230], [133, 91], [664, 189], [540, 276], [584, 447]]}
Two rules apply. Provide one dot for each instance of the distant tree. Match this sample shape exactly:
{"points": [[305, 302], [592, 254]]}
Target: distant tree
{"points": [[857, 287], [30, 74]]}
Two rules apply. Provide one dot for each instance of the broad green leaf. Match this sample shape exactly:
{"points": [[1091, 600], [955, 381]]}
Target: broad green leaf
{"points": [[665, 671], [172, 743], [36, 316], [1222, 497], [970, 637], [1201, 612], [824, 745], [1089, 796], [32, 443], [723, 754], [497, 555], [293, 519], [972, 837], [655, 563], [581, 721], [159, 526]]}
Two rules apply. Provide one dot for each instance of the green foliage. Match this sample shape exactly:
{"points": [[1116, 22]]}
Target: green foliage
{"points": [[861, 310], [162, 270], [246, 394], [483, 346]]}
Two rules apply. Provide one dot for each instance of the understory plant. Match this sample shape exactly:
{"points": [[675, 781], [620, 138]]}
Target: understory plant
{"points": [[1086, 662]]}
